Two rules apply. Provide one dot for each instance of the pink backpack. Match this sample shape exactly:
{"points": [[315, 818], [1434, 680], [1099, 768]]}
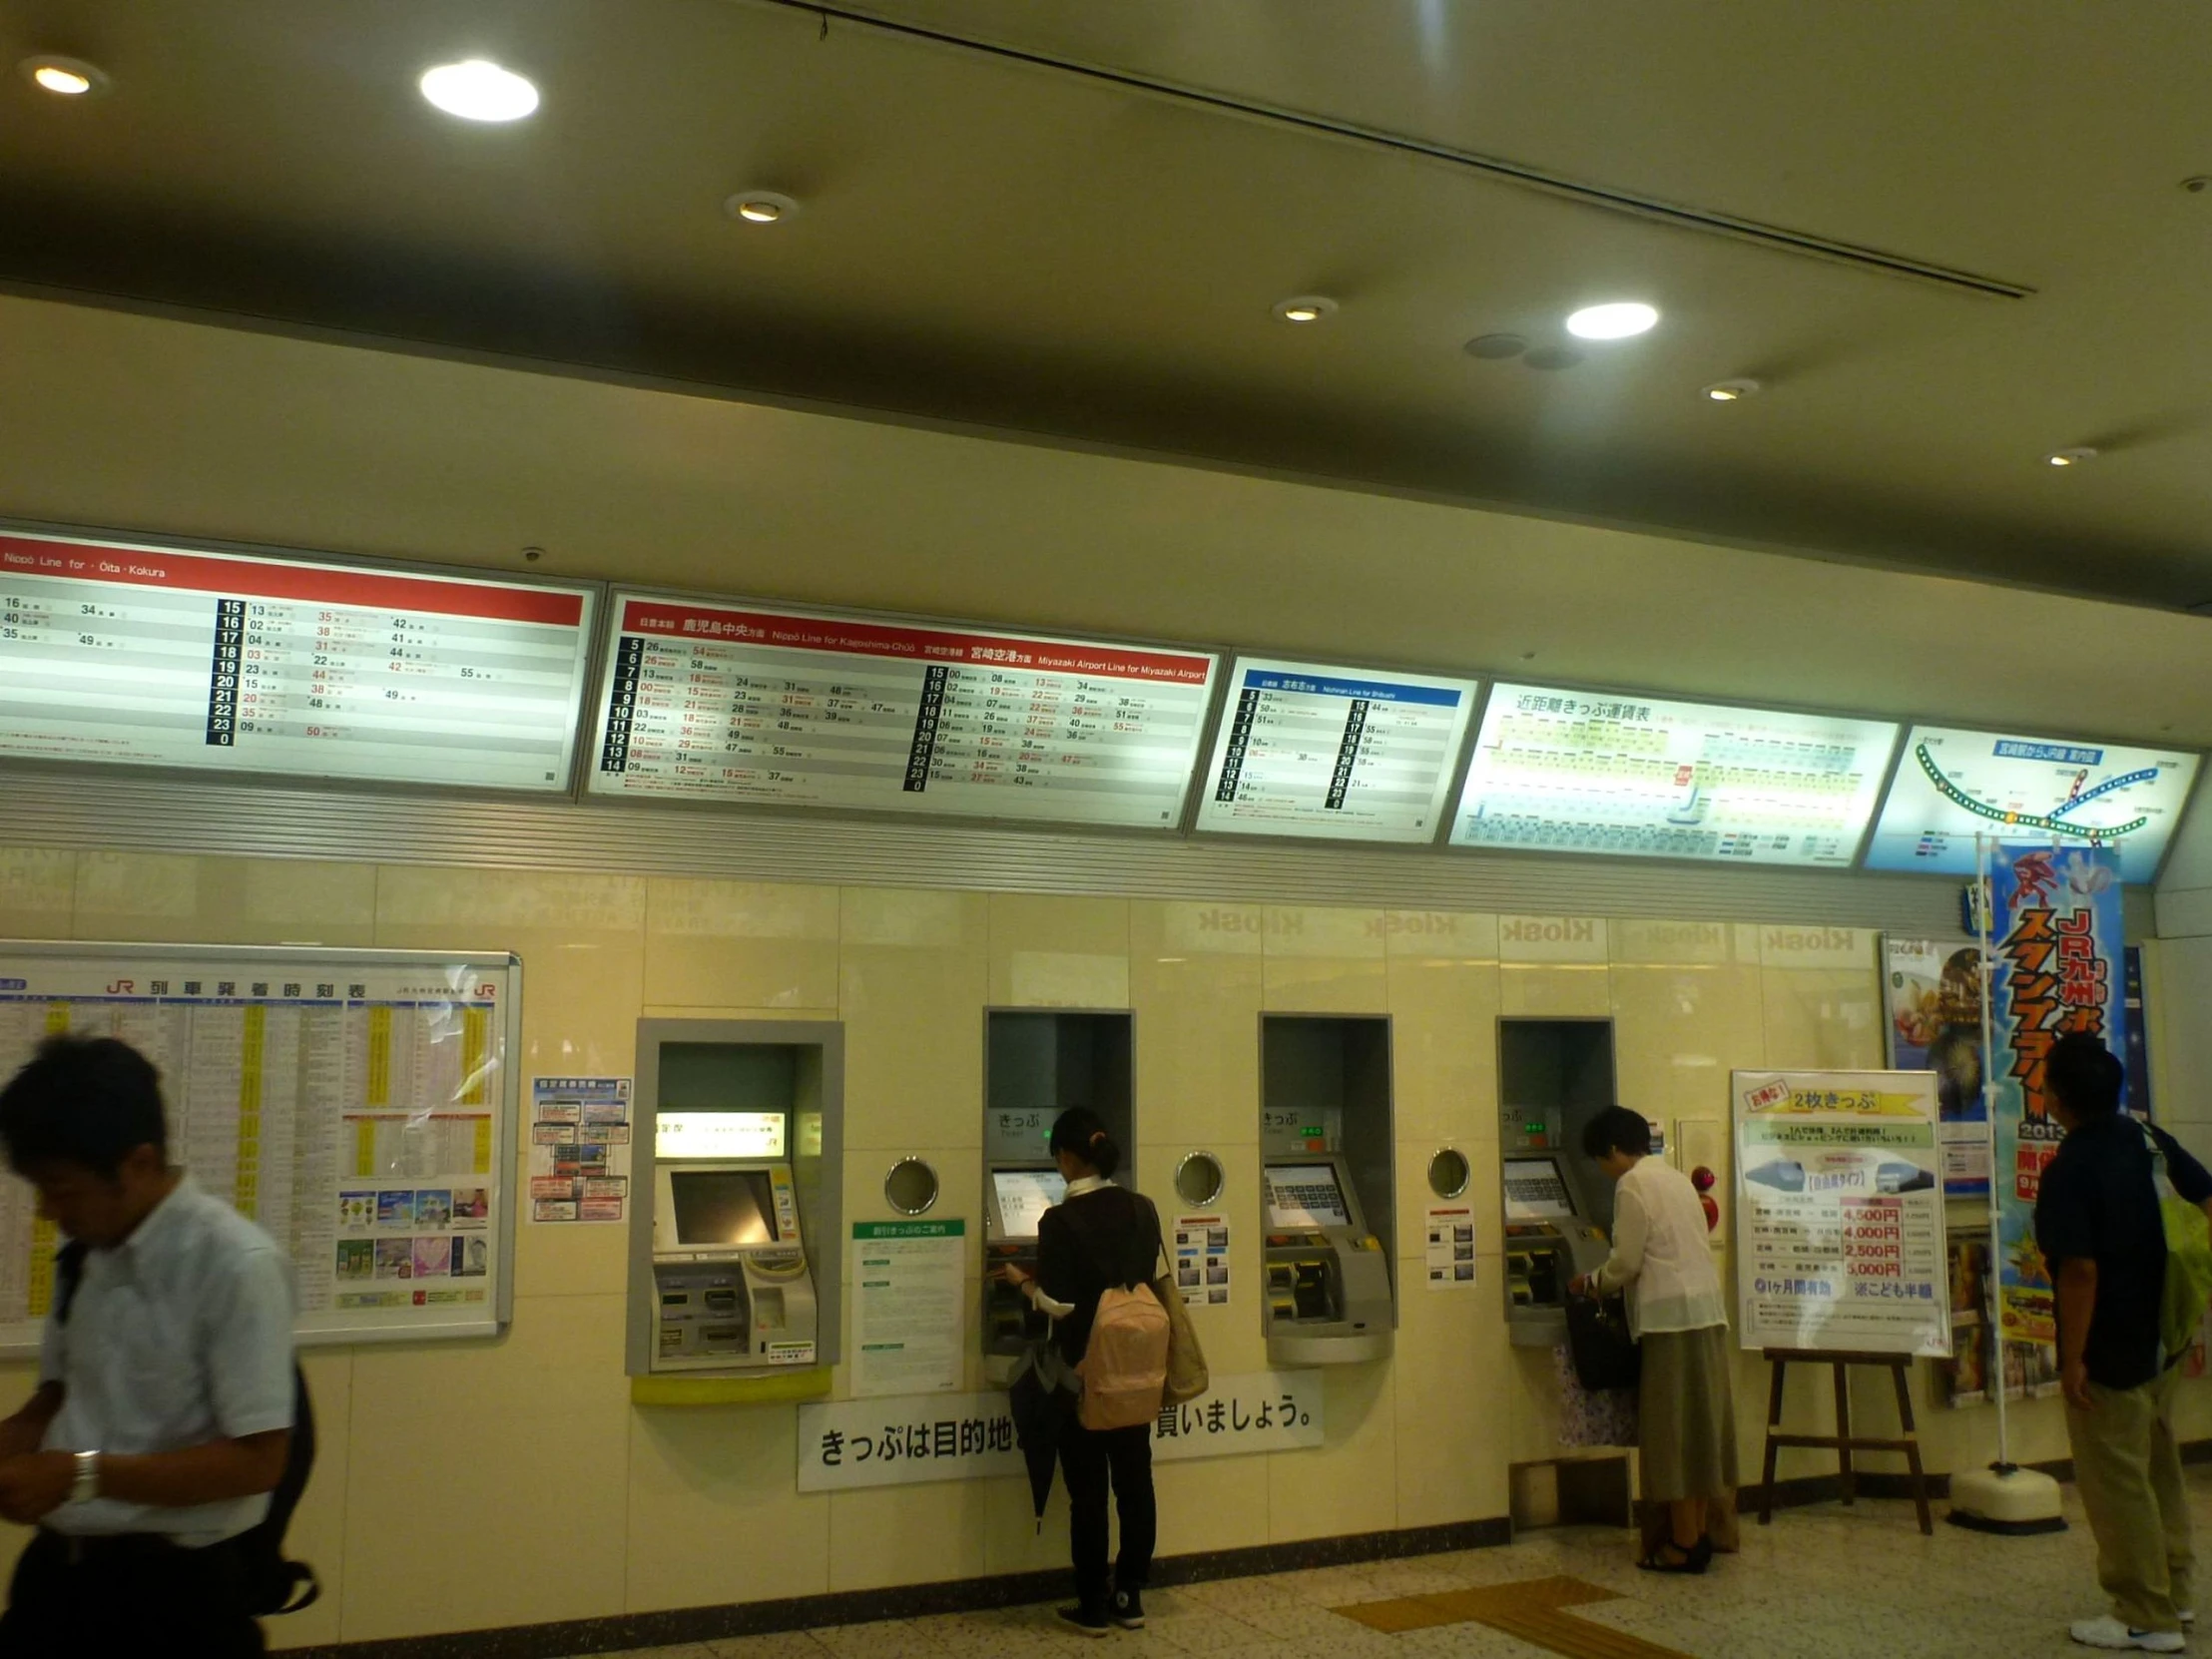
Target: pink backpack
{"points": [[1124, 1366]]}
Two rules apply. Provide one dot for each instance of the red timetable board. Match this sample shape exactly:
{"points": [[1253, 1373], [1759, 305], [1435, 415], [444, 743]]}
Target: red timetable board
{"points": [[153, 656], [729, 703]]}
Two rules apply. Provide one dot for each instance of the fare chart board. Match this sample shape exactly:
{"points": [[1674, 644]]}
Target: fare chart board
{"points": [[158, 657], [358, 1105], [729, 703], [1953, 784], [1342, 753], [1596, 771]]}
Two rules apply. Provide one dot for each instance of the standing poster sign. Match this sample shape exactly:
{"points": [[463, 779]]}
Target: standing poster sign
{"points": [[2055, 923], [1933, 993], [1840, 1212]]}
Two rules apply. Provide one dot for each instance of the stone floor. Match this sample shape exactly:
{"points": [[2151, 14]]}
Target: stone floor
{"points": [[1820, 1583]]}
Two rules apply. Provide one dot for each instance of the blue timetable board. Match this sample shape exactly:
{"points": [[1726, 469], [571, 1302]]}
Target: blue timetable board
{"points": [[1336, 752]]}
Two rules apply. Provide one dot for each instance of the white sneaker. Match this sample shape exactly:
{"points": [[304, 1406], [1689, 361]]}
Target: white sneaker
{"points": [[2109, 1632]]}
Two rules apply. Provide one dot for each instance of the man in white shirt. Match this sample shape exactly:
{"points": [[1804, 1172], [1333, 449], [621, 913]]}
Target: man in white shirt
{"points": [[165, 1401]]}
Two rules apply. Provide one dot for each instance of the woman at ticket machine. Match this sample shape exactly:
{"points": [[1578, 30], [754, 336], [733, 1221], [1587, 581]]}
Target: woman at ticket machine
{"points": [[1686, 1436]]}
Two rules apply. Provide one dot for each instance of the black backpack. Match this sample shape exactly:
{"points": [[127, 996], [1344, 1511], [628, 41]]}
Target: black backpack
{"points": [[272, 1584]]}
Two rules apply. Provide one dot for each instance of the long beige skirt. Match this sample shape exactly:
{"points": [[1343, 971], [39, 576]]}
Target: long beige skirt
{"points": [[1687, 1413]]}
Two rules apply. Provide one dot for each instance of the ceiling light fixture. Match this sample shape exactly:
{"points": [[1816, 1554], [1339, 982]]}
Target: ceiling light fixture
{"points": [[479, 90], [1733, 391], [1306, 308], [2071, 457], [63, 77], [1616, 319], [761, 206], [1495, 347]]}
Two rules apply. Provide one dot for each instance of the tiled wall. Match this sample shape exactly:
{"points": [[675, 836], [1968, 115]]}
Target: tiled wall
{"points": [[466, 1485]]}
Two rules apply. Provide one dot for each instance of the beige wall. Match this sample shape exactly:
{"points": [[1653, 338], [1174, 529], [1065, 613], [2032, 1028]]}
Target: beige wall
{"points": [[512, 1482]]}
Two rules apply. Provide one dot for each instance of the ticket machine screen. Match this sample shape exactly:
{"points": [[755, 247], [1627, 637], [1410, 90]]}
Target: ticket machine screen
{"points": [[1536, 1191], [1025, 1195], [1305, 1195], [723, 1207]]}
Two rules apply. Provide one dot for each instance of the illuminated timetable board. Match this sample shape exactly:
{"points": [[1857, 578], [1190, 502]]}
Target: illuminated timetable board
{"points": [[728, 703], [1341, 753], [1596, 771], [155, 657]]}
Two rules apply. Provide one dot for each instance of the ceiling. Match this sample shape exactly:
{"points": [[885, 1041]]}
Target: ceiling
{"points": [[1065, 248]]}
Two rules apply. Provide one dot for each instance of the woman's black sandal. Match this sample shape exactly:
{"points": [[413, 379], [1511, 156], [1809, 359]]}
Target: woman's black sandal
{"points": [[1695, 1559]]}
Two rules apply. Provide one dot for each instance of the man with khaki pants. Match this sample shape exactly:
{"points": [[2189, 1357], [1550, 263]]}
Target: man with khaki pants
{"points": [[2097, 1222]]}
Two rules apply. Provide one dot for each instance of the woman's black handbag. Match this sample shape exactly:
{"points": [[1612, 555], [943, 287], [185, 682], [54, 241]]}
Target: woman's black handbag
{"points": [[1605, 1354]]}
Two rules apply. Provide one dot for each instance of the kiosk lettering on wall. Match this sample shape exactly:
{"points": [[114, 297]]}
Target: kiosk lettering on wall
{"points": [[1840, 1212], [356, 1104]]}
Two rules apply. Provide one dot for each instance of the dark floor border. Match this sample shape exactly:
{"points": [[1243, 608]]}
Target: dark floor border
{"points": [[905, 1602]]}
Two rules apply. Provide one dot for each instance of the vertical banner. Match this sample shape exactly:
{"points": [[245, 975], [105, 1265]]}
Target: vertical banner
{"points": [[1840, 1216], [2057, 927], [1933, 993]]}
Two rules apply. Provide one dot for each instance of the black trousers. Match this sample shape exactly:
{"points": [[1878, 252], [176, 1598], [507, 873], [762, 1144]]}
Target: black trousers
{"points": [[1089, 1457], [72, 1599]]}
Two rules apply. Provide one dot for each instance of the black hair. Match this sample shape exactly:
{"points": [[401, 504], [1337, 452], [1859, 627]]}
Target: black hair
{"points": [[2084, 1075], [1617, 1129], [88, 1101], [1081, 1131]]}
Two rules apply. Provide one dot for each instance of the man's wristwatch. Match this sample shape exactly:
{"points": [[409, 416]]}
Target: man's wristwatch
{"points": [[85, 1487]]}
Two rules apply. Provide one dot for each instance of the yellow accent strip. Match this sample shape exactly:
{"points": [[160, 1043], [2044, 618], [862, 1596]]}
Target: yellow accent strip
{"points": [[245, 1194], [1537, 1610], [365, 1146], [380, 1058], [57, 1018], [484, 1146], [730, 1391], [43, 1235], [475, 1045]]}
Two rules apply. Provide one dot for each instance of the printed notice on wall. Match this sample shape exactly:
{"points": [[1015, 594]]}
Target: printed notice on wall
{"points": [[846, 1443], [1839, 1206], [1451, 1248], [909, 1314], [1201, 1260], [579, 1148]]}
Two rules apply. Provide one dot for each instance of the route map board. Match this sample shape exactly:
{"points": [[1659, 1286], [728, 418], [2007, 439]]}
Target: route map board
{"points": [[1952, 784], [728, 703], [153, 656], [1596, 771], [1342, 753], [357, 1104]]}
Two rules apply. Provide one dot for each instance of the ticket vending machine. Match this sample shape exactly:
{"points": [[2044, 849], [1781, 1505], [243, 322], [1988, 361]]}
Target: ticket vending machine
{"points": [[1554, 1075], [1326, 1199], [1038, 1064], [734, 1225]]}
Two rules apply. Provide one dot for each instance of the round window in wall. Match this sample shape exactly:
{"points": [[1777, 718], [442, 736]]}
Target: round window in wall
{"points": [[1447, 1173], [912, 1187], [1198, 1179]]}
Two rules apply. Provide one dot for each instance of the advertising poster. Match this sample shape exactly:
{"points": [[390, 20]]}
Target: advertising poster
{"points": [[909, 1325], [2056, 923], [2030, 1369], [1933, 993], [579, 1148], [1451, 1246], [1840, 1212], [1201, 1260], [2137, 1054]]}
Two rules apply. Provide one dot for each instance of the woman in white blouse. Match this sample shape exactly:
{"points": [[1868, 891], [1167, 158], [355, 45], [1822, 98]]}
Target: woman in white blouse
{"points": [[1686, 1434]]}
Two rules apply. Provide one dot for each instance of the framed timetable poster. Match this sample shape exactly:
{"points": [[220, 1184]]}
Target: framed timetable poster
{"points": [[160, 656], [1953, 784], [1342, 753], [1600, 771], [715, 701], [358, 1105]]}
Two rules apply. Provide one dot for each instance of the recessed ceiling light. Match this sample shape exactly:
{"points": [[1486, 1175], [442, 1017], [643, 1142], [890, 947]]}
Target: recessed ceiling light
{"points": [[1733, 391], [65, 77], [1495, 347], [761, 206], [1618, 320], [479, 90], [2070, 457], [1306, 308]]}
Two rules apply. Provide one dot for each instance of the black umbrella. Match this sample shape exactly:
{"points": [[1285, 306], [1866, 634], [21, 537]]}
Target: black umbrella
{"points": [[1041, 1399]]}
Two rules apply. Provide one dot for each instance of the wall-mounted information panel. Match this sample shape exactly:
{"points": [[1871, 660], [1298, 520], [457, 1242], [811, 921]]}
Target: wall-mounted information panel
{"points": [[356, 1104], [1600, 772], [1342, 753], [723, 703], [158, 657], [1953, 784]]}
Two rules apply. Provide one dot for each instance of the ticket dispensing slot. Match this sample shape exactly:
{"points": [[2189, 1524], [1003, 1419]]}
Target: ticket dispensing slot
{"points": [[1554, 1075], [1548, 1241], [732, 1268], [1325, 1169]]}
